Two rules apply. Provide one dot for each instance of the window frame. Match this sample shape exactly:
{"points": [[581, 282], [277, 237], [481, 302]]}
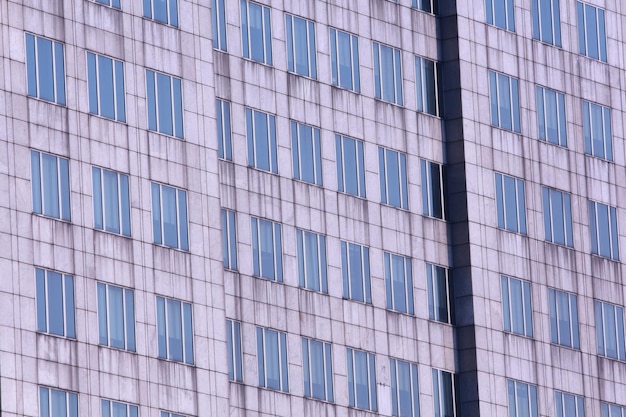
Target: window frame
{"points": [[45, 396], [297, 154], [235, 350], [224, 129], [611, 410], [229, 239], [509, 14], [397, 77], [131, 410], [359, 158], [395, 296], [513, 390], [601, 329], [266, 23], [432, 273], [439, 399], [541, 93], [421, 84], [218, 20], [428, 201], [58, 91], [119, 75], [335, 54], [566, 206], [502, 202], [327, 370], [370, 371], [63, 192], [303, 276], [186, 330], [277, 249], [99, 199], [114, 4], [384, 155], [595, 229], [600, 25], [171, 11], [127, 314], [283, 363], [175, 86], [293, 46], [537, 11], [252, 140], [496, 79], [555, 297], [560, 400], [182, 240], [589, 110], [396, 405], [508, 309], [366, 279], [431, 7], [68, 303]]}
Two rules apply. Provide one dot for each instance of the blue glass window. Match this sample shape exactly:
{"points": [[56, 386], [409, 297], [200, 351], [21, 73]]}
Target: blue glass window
{"points": [[57, 403], [603, 226], [318, 369], [551, 116], [344, 55], [522, 399], [256, 32], [233, 341], [393, 181], [510, 206], [361, 380], [557, 217], [563, 318], [105, 77], [166, 414], [165, 104], [611, 410], [163, 11], [610, 330], [387, 74], [443, 393], [547, 21], [169, 216], [439, 293], [300, 34], [115, 409], [312, 261], [174, 330], [500, 13], [355, 270], [55, 303], [432, 189], [516, 306], [111, 3], [597, 130], [224, 131], [504, 98], [350, 166], [111, 201], [229, 239], [272, 359], [306, 153], [591, 31], [218, 17], [404, 389], [50, 182], [45, 69], [399, 283], [427, 85], [261, 135], [267, 256], [116, 317], [568, 405], [429, 6]]}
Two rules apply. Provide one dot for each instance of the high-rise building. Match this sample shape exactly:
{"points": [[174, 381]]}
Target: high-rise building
{"points": [[338, 208]]}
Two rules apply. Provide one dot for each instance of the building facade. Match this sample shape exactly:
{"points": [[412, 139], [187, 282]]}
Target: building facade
{"points": [[177, 174]]}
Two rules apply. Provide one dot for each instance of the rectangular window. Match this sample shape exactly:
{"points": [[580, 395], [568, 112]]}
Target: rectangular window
{"points": [[115, 409], [267, 255], [551, 116], [350, 166], [610, 330], [603, 227], [261, 134], [510, 204], [361, 379], [504, 98], [399, 283], [164, 11], [116, 317], [224, 131], [165, 104], [591, 31], [256, 32], [443, 393], [547, 21], [233, 335], [557, 217], [55, 303], [50, 182], [169, 217], [105, 77], [229, 239], [344, 56], [111, 201], [522, 399], [45, 69], [427, 85], [272, 359], [166, 414], [393, 182], [516, 306], [218, 18], [387, 74], [404, 389], [57, 403], [174, 329], [429, 6], [439, 293], [612, 410], [597, 130], [355, 269], [432, 189], [568, 405], [111, 3], [563, 318], [306, 153], [300, 34], [500, 13], [312, 261], [318, 369]]}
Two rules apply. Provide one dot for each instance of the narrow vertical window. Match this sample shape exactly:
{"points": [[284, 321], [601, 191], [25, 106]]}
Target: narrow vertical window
{"points": [[57, 403], [267, 257], [504, 98], [350, 166], [591, 31], [301, 55], [116, 317], [516, 306], [597, 130], [404, 389], [557, 217], [174, 330], [105, 77], [272, 359], [229, 239], [306, 153], [55, 303], [427, 85], [218, 19], [169, 217], [115, 409], [387, 74], [510, 205], [522, 399], [233, 341], [432, 189], [261, 136], [443, 393], [111, 201], [439, 293], [563, 318], [165, 104], [399, 283], [361, 380], [224, 131], [50, 182], [500, 13], [551, 123], [318, 369], [355, 269], [393, 179], [163, 11], [610, 330], [344, 56], [45, 69], [312, 261], [568, 405], [256, 32], [603, 227], [547, 21]]}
